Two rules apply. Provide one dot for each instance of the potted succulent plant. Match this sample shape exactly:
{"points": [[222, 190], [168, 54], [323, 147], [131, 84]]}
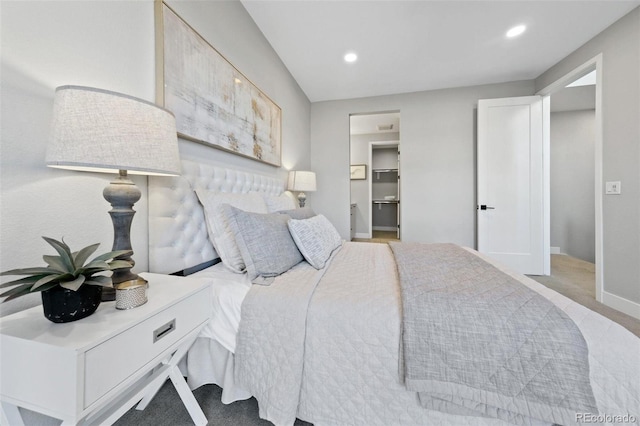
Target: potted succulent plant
{"points": [[70, 287]]}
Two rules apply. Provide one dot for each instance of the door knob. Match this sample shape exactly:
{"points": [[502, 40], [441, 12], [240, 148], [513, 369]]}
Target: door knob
{"points": [[485, 207]]}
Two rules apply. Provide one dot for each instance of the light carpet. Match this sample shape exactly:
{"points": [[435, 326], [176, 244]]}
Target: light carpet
{"points": [[575, 279]]}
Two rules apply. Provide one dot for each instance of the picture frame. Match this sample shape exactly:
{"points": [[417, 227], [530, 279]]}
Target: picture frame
{"points": [[358, 171], [213, 102]]}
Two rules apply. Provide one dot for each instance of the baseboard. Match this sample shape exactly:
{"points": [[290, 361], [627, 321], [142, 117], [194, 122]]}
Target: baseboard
{"points": [[384, 228], [361, 235], [621, 304], [555, 250]]}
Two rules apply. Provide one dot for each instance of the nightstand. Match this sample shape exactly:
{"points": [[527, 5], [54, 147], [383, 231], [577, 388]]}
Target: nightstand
{"points": [[93, 370]]}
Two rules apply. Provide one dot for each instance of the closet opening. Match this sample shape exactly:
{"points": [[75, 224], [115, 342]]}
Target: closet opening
{"points": [[375, 176], [384, 189]]}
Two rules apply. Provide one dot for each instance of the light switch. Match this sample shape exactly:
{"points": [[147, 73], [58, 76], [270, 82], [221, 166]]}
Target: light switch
{"points": [[613, 188]]}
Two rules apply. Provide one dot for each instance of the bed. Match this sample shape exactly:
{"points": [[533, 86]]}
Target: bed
{"points": [[331, 339]]}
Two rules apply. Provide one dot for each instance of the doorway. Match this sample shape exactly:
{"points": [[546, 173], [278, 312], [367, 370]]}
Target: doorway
{"points": [[587, 98], [382, 129], [384, 190], [520, 112]]}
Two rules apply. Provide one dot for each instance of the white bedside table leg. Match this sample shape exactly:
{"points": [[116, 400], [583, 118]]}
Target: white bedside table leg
{"points": [[187, 397], [11, 415], [153, 388], [174, 373], [170, 362]]}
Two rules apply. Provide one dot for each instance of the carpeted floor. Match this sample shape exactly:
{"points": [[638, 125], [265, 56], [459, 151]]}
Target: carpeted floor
{"points": [[571, 277], [575, 279], [379, 237], [166, 409]]}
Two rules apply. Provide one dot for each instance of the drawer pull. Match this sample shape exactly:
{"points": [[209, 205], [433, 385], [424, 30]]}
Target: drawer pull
{"points": [[160, 332]]}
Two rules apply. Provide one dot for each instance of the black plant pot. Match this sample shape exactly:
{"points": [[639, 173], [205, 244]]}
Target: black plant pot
{"points": [[64, 305]]}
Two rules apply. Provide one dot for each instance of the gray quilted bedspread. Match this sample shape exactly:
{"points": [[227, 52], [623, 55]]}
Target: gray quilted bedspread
{"points": [[478, 342]]}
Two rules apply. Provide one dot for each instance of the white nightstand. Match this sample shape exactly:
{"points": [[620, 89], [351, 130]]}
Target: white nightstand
{"points": [[95, 369]]}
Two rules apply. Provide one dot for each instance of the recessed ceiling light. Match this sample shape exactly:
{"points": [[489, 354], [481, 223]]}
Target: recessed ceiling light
{"points": [[516, 31], [350, 57]]}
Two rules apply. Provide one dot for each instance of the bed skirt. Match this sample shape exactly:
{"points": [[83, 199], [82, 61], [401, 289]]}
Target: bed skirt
{"points": [[208, 362]]}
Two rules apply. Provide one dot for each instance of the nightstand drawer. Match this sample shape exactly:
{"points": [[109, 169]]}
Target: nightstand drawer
{"points": [[117, 359]]}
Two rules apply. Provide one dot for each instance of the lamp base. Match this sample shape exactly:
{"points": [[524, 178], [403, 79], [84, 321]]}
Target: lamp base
{"points": [[108, 294], [122, 194], [302, 199]]}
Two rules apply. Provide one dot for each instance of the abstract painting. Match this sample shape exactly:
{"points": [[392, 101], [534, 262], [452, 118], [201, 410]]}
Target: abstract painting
{"points": [[213, 102]]}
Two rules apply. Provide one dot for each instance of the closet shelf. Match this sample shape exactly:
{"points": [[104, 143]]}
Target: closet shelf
{"points": [[385, 170], [385, 201]]}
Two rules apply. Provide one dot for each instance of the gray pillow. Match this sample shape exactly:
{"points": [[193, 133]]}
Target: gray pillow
{"points": [[299, 214], [265, 243], [316, 238]]}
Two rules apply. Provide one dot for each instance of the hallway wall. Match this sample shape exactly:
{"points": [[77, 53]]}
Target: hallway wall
{"points": [[572, 183]]}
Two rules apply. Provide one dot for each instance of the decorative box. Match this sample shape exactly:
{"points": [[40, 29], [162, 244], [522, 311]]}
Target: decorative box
{"points": [[131, 294]]}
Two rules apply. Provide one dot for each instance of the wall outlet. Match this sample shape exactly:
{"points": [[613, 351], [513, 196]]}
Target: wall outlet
{"points": [[613, 188]]}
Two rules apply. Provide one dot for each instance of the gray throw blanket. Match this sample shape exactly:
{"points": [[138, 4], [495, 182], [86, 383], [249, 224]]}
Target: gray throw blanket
{"points": [[478, 342]]}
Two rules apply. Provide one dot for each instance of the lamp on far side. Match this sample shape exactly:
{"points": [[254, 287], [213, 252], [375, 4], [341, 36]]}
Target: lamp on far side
{"points": [[97, 130], [301, 181]]}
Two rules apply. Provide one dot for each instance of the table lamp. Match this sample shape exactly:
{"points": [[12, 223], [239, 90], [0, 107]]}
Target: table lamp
{"points": [[97, 130], [301, 181]]}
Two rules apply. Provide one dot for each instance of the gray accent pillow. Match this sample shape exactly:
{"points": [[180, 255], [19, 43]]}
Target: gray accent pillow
{"points": [[265, 243], [299, 214], [316, 239]]}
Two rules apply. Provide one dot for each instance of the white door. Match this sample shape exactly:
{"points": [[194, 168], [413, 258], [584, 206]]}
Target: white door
{"points": [[510, 182]]}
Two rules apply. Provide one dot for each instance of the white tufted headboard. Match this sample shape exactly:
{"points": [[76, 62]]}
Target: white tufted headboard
{"points": [[178, 238]]}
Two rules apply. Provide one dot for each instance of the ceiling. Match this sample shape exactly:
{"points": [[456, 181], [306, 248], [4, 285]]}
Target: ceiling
{"points": [[364, 124], [408, 46]]}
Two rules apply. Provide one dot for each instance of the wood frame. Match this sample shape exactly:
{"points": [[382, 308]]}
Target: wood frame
{"points": [[213, 102], [358, 172]]}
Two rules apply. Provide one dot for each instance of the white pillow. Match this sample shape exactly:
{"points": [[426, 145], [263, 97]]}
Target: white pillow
{"points": [[276, 203], [316, 239], [220, 233]]}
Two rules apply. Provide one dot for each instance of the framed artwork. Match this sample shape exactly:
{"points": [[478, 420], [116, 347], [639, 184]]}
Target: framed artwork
{"points": [[358, 171], [214, 103]]}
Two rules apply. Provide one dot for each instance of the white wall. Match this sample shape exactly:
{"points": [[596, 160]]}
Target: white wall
{"points": [[572, 183], [108, 44], [44, 45], [620, 48], [437, 158]]}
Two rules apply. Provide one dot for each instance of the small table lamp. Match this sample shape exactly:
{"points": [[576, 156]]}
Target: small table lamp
{"points": [[301, 181], [101, 131]]}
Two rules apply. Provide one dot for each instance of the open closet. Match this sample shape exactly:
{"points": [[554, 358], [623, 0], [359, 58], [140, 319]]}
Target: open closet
{"points": [[385, 188], [375, 185]]}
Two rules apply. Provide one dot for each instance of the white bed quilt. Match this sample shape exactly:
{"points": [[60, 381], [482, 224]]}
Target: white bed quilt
{"points": [[349, 373], [228, 291]]}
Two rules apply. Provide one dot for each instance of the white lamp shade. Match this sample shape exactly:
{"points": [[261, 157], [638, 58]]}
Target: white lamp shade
{"points": [[103, 131], [301, 181]]}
